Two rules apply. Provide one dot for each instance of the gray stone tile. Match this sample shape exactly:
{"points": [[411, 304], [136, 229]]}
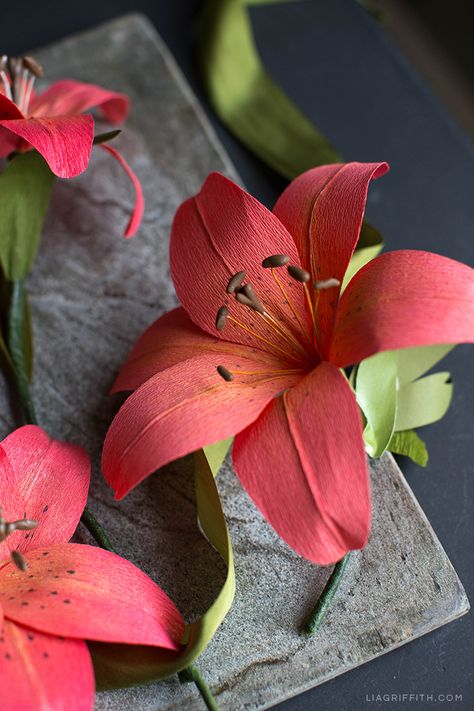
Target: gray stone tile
{"points": [[92, 294]]}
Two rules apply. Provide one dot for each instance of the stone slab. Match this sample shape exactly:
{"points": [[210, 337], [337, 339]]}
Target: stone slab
{"points": [[92, 295]]}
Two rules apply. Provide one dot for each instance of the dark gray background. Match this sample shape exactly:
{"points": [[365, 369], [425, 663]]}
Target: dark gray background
{"points": [[337, 64]]}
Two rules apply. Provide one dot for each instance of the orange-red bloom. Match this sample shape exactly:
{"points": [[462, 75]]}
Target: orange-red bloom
{"points": [[55, 124], [69, 592], [282, 337]]}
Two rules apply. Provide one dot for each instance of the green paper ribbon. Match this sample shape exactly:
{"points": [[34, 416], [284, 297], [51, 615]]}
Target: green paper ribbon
{"points": [[114, 664], [25, 192]]}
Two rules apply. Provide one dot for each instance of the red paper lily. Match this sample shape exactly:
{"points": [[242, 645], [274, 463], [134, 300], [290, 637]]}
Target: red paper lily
{"points": [[298, 449], [54, 123], [69, 592]]}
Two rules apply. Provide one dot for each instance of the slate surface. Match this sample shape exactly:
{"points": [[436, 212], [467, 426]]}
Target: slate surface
{"points": [[89, 283]]}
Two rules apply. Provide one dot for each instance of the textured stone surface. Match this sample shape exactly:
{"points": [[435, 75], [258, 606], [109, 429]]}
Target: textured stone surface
{"points": [[92, 294]]}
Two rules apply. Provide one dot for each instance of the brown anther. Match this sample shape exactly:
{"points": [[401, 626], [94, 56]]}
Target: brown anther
{"points": [[18, 560], [221, 318], [224, 373], [299, 274], [24, 524], [3, 62], [235, 282], [275, 260], [327, 283], [32, 66], [247, 296]]}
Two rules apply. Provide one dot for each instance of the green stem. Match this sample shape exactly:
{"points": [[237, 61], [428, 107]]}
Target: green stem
{"points": [[321, 608], [16, 347], [191, 673]]}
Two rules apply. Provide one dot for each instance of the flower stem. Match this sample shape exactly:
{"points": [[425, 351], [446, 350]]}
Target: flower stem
{"points": [[322, 606], [16, 347], [191, 673]]}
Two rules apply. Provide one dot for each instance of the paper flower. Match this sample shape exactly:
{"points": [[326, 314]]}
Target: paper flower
{"points": [[54, 122], [261, 298], [68, 592]]}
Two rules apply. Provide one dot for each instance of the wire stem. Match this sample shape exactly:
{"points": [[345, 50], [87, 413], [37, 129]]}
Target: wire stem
{"points": [[191, 673], [322, 606]]}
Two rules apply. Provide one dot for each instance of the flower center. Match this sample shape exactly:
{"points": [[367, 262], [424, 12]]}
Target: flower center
{"points": [[9, 527], [300, 344], [17, 78]]}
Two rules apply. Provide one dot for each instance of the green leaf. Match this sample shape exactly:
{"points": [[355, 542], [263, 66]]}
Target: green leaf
{"points": [[25, 191], [409, 444], [413, 362], [6, 363], [370, 244], [216, 453], [376, 392], [115, 666], [106, 137], [424, 401], [248, 101]]}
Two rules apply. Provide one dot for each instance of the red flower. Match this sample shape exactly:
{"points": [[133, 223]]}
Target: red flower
{"points": [[69, 592], [54, 123], [281, 345]]}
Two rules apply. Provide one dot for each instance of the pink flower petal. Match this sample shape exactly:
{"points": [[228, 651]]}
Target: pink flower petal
{"points": [[139, 206], [8, 109], [41, 672], [174, 338], [72, 97], [182, 409], [8, 142], [44, 480], [323, 210], [404, 299], [217, 233], [86, 592], [303, 463], [65, 142]]}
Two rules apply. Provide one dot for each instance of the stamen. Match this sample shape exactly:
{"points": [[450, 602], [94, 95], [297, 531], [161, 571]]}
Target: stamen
{"points": [[224, 373], [327, 283], [221, 318], [299, 274], [235, 282], [290, 304], [247, 296], [265, 372], [275, 260], [32, 66], [8, 527], [19, 561], [261, 338], [4, 78]]}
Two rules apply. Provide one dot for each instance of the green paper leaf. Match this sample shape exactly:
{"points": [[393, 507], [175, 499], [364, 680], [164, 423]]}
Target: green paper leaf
{"points": [[216, 453], [370, 244], [248, 101], [25, 191], [413, 362], [6, 363], [409, 444], [106, 137], [376, 392], [424, 401], [114, 664]]}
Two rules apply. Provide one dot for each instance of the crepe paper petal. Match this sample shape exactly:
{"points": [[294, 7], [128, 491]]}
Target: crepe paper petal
{"points": [[41, 672], [323, 210], [404, 299], [25, 192], [65, 142], [409, 444], [216, 453], [368, 247], [248, 101], [180, 410], [72, 97], [86, 592], [115, 667], [8, 109], [44, 480], [413, 362], [376, 391], [9, 142], [310, 439], [139, 206], [174, 338], [219, 232], [424, 401]]}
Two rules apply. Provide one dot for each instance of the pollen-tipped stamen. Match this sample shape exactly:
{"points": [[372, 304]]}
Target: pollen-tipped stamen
{"points": [[235, 282], [275, 260], [263, 339], [18, 560], [221, 318], [224, 373]]}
